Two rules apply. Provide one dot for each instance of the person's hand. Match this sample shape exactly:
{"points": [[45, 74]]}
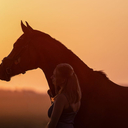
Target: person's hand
{"points": [[50, 93], [47, 125]]}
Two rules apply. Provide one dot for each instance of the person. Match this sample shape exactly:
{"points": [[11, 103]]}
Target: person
{"points": [[66, 102]]}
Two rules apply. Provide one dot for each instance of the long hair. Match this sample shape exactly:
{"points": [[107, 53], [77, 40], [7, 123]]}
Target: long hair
{"points": [[71, 87]]}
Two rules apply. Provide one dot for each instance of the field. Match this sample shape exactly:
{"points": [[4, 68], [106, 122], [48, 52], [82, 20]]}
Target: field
{"points": [[23, 109]]}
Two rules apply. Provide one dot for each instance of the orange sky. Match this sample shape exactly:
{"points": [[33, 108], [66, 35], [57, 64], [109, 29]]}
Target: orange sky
{"points": [[96, 30]]}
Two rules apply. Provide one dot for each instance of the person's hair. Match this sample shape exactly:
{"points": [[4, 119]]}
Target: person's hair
{"points": [[71, 88]]}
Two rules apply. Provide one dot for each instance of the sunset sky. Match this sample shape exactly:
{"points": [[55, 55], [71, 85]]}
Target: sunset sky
{"points": [[95, 30]]}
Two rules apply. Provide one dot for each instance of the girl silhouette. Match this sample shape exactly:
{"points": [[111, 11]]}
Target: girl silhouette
{"points": [[66, 103]]}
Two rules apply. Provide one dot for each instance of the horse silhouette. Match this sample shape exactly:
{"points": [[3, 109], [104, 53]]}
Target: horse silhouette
{"points": [[104, 104]]}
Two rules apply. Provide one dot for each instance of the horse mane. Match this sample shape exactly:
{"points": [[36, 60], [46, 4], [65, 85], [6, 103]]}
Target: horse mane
{"points": [[57, 43], [49, 38], [101, 73]]}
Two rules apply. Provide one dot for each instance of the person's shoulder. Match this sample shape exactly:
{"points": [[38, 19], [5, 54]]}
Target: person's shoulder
{"points": [[61, 98]]}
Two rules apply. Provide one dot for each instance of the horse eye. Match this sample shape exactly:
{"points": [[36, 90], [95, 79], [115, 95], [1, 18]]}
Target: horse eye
{"points": [[17, 61], [8, 70]]}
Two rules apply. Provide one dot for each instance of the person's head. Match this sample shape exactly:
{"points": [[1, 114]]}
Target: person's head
{"points": [[66, 81]]}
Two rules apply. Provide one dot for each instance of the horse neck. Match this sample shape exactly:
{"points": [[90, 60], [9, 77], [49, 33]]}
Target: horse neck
{"points": [[49, 62], [89, 80]]}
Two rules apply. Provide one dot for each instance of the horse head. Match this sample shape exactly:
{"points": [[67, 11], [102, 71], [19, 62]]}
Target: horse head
{"points": [[23, 56], [33, 49]]}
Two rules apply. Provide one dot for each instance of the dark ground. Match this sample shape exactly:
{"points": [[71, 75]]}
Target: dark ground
{"points": [[22, 122]]}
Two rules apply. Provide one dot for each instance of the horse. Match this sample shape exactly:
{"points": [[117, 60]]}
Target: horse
{"points": [[104, 103]]}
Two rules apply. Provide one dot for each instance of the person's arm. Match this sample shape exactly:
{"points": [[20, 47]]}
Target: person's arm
{"points": [[57, 111], [49, 92]]}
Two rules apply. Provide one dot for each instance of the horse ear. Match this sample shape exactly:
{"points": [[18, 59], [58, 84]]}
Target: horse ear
{"points": [[24, 28], [28, 26]]}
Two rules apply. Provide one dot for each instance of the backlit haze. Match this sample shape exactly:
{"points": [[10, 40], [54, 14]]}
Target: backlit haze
{"points": [[95, 30]]}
